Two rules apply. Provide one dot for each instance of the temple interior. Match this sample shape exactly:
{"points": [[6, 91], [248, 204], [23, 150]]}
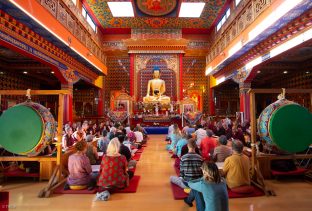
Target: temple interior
{"points": [[156, 104]]}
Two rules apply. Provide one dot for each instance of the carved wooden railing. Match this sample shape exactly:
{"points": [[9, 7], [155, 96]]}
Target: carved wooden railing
{"points": [[70, 16], [241, 17]]}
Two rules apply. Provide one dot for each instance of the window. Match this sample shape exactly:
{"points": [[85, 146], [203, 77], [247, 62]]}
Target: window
{"points": [[88, 18], [237, 2], [223, 19]]}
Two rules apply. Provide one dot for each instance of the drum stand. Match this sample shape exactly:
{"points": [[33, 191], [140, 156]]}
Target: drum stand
{"points": [[259, 180], [54, 182], [56, 178]]}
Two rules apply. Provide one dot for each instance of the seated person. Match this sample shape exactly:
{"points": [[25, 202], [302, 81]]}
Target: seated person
{"points": [[79, 167], [182, 142], [67, 139], [91, 153], [189, 166], [237, 167], [213, 189], [138, 136], [207, 145], [174, 137], [125, 151], [238, 134], [114, 168], [222, 151], [103, 142], [79, 134], [144, 133], [200, 134], [184, 149]]}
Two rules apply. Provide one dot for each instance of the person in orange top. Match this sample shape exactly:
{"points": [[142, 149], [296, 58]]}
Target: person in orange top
{"points": [[236, 168], [207, 146]]}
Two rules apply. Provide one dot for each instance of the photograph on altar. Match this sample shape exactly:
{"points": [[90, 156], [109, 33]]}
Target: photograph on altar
{"points": [[122, 105], [188, 108]]}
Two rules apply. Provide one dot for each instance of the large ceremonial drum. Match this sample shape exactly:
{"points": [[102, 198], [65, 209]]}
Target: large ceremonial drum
{"points": [[26, 128], [287, 125]]}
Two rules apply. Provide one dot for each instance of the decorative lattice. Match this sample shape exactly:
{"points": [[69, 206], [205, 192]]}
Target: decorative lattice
{"points": [[194, 78], [118, 76]]}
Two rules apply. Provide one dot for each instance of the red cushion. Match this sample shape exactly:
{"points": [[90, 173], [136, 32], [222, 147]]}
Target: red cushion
{"points": [[246, 189], [19, 173], [298, 171], [178, 192], [257, 192]]}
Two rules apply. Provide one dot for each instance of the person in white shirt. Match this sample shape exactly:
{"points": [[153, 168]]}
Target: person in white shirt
{"points": [[200, 134], [185, 128], [138, 135], [128, 129]]}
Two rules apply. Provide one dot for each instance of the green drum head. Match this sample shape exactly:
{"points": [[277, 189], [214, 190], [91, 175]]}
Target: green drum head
{"points": [[291, 128], [20, 129]]}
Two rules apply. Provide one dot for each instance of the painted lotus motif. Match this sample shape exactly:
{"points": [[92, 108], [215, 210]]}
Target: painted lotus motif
{"points": [[265, 116]]}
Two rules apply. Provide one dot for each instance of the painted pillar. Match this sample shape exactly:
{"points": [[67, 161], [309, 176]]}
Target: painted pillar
{"points": [[68, 103], [244, 100], [99, 99], [181, 75], [132, 74], [212, 83]]}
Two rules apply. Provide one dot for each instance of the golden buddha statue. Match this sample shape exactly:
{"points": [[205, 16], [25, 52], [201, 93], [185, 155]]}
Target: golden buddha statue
{"points": [[158, 88]]}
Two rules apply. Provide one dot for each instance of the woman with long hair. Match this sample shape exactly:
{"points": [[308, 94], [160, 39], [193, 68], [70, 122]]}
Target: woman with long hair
{"points": [[213, 189]]}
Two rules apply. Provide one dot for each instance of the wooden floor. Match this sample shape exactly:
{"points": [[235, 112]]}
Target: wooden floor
{"points": [[154, 191]]}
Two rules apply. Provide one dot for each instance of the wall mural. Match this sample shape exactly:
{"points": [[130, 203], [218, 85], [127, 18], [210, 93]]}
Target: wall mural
{"points": [[156, 7], [103, 14]]}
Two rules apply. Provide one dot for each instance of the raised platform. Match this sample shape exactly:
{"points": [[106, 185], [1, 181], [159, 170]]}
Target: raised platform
{"points": [[156, 130]]}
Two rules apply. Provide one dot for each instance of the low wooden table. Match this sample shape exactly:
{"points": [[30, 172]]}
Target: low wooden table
{"points": [[46, 164], [265, 161]]}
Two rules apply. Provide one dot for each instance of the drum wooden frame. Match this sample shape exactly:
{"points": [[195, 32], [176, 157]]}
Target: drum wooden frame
{"points": [[61, 94], [253, 120]]}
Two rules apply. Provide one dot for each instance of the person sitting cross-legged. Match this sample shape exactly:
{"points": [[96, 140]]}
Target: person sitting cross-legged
{"points": [[236, 168], [79, 167], [222, 151], [207, 145], [189, 169], [114, 168]]}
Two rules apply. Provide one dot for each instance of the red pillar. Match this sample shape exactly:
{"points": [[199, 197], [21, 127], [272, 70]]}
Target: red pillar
{"points": [[68, 103], [132, 74], [181, 75], [244, 100]]}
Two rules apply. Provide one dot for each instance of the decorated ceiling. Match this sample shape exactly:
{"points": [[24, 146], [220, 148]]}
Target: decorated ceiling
{"points": [[156, 14]]}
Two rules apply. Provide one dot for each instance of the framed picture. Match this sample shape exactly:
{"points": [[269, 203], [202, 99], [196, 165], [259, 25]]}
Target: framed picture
{"points": [[122, 105], [188, 108]]}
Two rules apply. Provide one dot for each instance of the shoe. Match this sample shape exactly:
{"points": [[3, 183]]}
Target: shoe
{"points": [[187, 190], [190, 204], [66, 187], [90, 188]]}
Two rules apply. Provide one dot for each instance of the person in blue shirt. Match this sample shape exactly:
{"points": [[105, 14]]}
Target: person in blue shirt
{"points": [[213, 189], [180, 144]]}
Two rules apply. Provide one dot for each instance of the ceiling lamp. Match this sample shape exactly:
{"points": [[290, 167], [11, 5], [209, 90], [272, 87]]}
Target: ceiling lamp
{"points": [[121, 9], [191, 9]]}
